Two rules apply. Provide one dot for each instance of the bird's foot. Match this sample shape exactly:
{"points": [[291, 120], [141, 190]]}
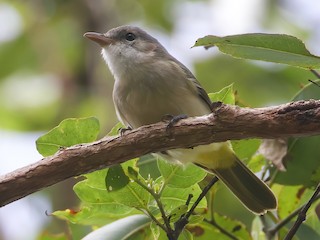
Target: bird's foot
{"points": [[123, 130], [173, 119]]}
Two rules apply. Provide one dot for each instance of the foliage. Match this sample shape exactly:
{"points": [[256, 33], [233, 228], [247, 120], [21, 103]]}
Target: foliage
{"points": [[267, 47], [52, 44], [113, 197]]}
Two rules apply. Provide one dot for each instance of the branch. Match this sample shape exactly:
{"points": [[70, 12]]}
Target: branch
{"points": [[302, 214], [227, 122]]}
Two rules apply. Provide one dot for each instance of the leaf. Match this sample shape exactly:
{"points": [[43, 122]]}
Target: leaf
{"points": [[95, 214], [302, 162], [304, 232], [115, 130], [133, 195], [245, 149], [177, 212], [148, 166], [234, 227], [290, 198], [180, 176], [98, 205], [309, 91], [155, 229], [185, 235], [256, 163], [225, 95], [120, 229], [175, 197], [68, 133], [205, 231], [277, 48], [116, 178]]}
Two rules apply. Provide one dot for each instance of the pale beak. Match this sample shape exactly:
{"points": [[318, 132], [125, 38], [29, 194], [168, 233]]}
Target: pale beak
{"points": [[99, 38]]}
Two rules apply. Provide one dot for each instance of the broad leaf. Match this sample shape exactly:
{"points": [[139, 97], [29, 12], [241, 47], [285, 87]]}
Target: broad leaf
{"points": [[116, 178], [180, 176], [225, 95], [206, 231], [69, 132], [175, 197], [277, 48]]}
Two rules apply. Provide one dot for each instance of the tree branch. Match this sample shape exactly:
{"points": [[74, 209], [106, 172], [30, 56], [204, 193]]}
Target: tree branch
{"points": [[227, 122]]}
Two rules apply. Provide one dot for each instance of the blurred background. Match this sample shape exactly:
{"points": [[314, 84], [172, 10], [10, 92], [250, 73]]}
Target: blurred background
{"points": [[49, 72]]}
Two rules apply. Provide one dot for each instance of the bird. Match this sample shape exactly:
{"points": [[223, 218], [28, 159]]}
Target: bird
{"points": [[150, 84]]}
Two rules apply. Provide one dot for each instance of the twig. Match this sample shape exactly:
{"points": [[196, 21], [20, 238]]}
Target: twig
{"points": [[302, 214], [315, 73], [272, 231], [221, 229], [166, 227], [315, 83], [183, 221], [202, 195]]}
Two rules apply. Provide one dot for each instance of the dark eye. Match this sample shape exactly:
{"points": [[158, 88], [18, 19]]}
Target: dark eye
{"points": [[130, 37]]}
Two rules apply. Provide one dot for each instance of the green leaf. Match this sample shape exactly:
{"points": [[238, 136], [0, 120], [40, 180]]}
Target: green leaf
{"points": [[302, 162], [177, 212], [116, 178], [206, 231], [277, 48], [196, 219], [148, 166], [155, 229], [304, 232], [235, 227], [133, 195], [309, 91], [185, 235], [115, 130], [95, 214], [225, 95], [256, 163], [69, 132], [175, 197], [98, 206], [121, 229], [245, 149], [180, 176], [290, 198]]}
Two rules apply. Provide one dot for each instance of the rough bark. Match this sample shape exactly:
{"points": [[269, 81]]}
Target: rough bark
{"points": [[227, 122]]}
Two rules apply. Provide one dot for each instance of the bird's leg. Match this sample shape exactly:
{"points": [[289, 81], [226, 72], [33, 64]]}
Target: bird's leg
{"points": [[215, 105], [123, 130], [173, 119]]}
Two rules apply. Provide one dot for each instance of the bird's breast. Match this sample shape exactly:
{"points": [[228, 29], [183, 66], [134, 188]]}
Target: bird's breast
{"points": [[146, 103]]}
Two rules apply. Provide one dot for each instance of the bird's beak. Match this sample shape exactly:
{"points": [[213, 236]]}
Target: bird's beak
{"points": [[99, 38]]}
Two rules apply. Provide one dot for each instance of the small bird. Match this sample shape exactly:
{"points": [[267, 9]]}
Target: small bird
{"points": [[150, 84]]}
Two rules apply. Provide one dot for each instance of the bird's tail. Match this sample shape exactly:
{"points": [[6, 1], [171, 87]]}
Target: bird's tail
{"points": [[244, 184]]}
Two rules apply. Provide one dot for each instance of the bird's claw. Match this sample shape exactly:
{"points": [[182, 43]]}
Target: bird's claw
{"points": [[123, 130]]}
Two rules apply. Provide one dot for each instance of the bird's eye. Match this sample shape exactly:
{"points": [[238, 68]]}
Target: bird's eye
{"points": [[130, 37]]}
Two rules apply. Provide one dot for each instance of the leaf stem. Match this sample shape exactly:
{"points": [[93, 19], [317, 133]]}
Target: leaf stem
{"points": [[166, 227], [315, 73], [202, 195]]}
